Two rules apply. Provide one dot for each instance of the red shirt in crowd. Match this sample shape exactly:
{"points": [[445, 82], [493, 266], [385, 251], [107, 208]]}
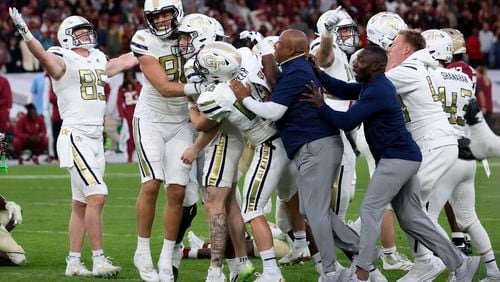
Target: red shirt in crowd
{"points": [[486, 87], [5, 104], [26, 127], [127, 99]]}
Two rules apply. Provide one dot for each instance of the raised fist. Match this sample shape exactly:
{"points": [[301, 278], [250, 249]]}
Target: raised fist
{"points": [[251, 35]]}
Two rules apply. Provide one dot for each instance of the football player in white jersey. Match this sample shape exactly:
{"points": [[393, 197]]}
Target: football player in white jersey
{"points": [[427, 122], [329, 51], [79, 73], [218, 104], [161, 121], [220, 161], [454, 91]]}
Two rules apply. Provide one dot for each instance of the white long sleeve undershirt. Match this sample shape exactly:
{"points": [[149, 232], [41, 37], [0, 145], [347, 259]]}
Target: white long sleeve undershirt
{"points": [[268, 110]]}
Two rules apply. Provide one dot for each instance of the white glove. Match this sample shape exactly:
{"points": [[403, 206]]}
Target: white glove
{"points": [[251, 35], [20, 24], [14, 212], [331, 22], [265, 48]]}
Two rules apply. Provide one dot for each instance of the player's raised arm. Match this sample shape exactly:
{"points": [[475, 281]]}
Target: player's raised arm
{"points": [[51, 63], [120, 64]]}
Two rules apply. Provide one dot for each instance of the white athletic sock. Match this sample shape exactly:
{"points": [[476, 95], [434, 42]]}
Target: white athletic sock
{"points": [[167, 252], [269, 261], [457, 235], [97, 253], [389, 251], [143, 245], [74, 255], [299, 241], [490, 262], [232, 264]]}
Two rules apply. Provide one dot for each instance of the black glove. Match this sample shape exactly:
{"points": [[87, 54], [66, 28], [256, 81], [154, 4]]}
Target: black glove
{"points": [[471, 111], [464, 152]]}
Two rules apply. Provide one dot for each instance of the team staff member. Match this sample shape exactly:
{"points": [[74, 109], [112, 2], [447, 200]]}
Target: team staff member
{"points": [[397, 156], [314, 145]]}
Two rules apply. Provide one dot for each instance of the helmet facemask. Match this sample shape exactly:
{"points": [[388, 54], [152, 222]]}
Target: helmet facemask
{"points": [[165, 28], [347, 36], [77, 39]]}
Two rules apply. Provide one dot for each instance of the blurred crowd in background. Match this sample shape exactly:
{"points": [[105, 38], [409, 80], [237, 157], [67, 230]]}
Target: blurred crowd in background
{"points": [[117, 20]]}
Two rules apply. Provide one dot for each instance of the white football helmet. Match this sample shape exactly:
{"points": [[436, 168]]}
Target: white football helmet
{"points": [[271, 40], [383, 28], [69, 41], [153, 7], [219, 30], [458, 40], [218, 62], [349, 37], [202, 30], [439, 43]]}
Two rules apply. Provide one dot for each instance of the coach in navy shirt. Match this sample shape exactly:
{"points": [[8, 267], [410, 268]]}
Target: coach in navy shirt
{"points": [[313, 144], [396, 153]]}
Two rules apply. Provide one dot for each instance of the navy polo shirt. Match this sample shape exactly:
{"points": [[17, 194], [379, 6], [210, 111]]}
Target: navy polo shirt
{"points": [[301, 123], [378, 108]]}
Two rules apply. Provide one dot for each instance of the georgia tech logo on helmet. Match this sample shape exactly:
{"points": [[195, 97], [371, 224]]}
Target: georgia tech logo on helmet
{"points": [[391, 23], [200, 23], [214, 62]]}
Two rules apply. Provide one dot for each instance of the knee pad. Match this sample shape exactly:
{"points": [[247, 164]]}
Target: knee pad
{"points": [[248, 216]]}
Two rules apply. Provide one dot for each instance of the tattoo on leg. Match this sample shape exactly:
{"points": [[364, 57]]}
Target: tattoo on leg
{"points": [[218, 236]]}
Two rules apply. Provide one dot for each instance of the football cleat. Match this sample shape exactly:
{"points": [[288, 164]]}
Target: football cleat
{"points": [[266, 277], [424, 270], [295, 256], [74, 267], [194, 241], [215, 275], [103, 267], [396, 261], [144, 263], [377, 276], [244, 272]]}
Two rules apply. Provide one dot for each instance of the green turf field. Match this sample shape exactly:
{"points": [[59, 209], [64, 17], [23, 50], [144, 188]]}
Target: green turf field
{"points": [[44, 194]]}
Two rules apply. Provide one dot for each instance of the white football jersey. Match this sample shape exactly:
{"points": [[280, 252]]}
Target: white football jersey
{"points": [[424, 118], [339, 69], [218, 103], [152, 105], [454, 91], [80, 92], [251, 73]]}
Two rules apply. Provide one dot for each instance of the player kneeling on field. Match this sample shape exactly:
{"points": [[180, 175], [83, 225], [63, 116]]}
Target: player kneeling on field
{"points": [[11, 254]]}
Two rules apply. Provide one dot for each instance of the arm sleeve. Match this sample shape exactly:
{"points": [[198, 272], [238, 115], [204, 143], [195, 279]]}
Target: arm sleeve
{"points": [[340, 88], [368, 105], [267, 110]]}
